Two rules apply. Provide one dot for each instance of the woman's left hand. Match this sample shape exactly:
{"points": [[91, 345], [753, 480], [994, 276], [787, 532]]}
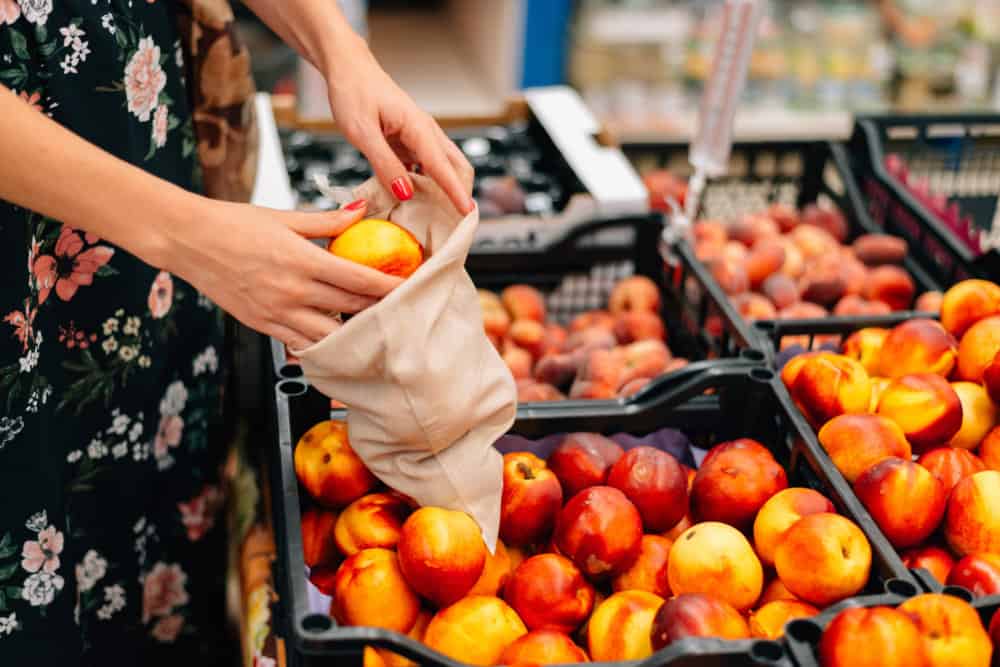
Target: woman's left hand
{"points": [[386, 125]]}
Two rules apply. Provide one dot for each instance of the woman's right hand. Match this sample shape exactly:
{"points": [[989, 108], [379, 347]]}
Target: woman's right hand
{"points": [[257, 264]]}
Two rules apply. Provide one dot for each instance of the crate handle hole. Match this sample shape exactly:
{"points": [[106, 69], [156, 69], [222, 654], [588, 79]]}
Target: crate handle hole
{"points": [[765, 325], [292, 387], [752, 355], [317, 623], [761, 374], [766, 652], [900, 587], [959, 592], [290, 371], [804, 630]]}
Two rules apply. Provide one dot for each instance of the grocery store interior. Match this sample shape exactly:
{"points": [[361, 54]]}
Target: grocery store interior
{"points": [[634, 332]]}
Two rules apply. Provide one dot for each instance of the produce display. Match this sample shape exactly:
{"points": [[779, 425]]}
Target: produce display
{"points": [[924, 389], [606, 552], [599, 354]]}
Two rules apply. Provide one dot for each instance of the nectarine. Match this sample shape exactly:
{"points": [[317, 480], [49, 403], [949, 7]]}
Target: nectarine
{"points": [[380, 244]]}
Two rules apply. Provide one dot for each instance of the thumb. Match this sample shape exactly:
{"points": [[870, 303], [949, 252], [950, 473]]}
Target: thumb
{"points": [[328, 224], [386, 164]]}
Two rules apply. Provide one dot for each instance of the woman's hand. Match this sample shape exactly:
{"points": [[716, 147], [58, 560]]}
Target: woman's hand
{"points": [[258, 265], [386, 125]]}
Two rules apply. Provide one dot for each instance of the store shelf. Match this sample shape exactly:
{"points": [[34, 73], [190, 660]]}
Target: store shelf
{"points": [[750, 125]]}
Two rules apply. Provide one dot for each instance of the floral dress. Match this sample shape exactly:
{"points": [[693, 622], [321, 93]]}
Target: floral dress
{"points": [[109, 370]]}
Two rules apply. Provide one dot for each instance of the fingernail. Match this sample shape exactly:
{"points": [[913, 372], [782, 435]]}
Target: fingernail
{"points": [[401, 188], [356, 205]]}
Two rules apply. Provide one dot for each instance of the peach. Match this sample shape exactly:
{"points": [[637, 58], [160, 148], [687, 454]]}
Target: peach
{"points": [[600, 375], [582, 460], [592, 319], [852, 304], [716, 559], [555, 338], [821, 284], [989, 450], [879, 385], [932, 558], [828, 219], [697, 615], [904, 498], [731, 276], [634, 293], [643, 359], [549, 593], [318, 545], [681, 526], [600, 530], [784, 215], [856, 442], [769, 621], [381, 245], [780, 290], [951, 465], [827, 385], [972, 521], [475, 630], [929, 302], [925, 406], [372, 658], [524, 302], [649, 571], [709, 231], [775, 590], [917, 346], [802, 311], [582, 342], [892, 285], [370, 590], [753, 228], [543, 647], [823, 558], [496, 321], [529, 391], [795, 262], [968, 302], [780, 513], [417, 632], [855, 276], [531, 498], [621, 626], [529, 336], [977, 349], [519, 362], [876, 249], [557, 370], [753, 306], [979, 573], [995, 636], [636, 325], [375, 520], [328, 468], [633, 387], [441, 553], [735, 479], [991, 378], [865, 346], [495, 574], [765, 259], [655, 483], [323, 578], [872, 637], [951, 630], [813, 242]]}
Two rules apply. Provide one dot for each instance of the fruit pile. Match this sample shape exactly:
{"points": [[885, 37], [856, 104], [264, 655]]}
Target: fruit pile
{"points": [[602, 354], [788, 264], [925, 631], [929, 389], [620, 552]]}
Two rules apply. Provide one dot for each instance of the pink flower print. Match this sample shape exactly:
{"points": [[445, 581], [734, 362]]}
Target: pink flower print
{"points": [[167, 629], [10, 11], [44, 553], [35, 97], [72, 337], [167, 435], [161, 295], [198, 514], [69, 269], [163, 590], [23, 323], [144, 79], [160, 126]]}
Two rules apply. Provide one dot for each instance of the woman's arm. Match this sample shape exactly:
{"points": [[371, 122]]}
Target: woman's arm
{"points": [[254, 262], [370, 109]]}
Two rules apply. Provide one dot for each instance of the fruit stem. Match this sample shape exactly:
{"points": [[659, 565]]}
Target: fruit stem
{"points": [[525, 470]]}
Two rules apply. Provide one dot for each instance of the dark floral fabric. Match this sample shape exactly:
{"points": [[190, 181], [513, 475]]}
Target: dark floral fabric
{"points": [[109, 370]]}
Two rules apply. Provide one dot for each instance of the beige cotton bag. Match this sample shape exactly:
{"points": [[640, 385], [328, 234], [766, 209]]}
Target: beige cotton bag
{"points": [[426, 391]]}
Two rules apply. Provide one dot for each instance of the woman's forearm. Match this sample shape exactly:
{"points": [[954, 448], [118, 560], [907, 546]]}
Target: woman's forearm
{"points": [[48, 169]]}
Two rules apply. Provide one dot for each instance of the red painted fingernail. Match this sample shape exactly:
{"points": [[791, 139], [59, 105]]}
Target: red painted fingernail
{"points": [[356, 205], [401, 188]]}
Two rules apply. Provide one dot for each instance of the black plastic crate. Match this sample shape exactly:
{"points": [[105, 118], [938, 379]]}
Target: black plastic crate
{"points": [[958, 155], [795, 173], [802, 636], [577, 271], [743, 400]]}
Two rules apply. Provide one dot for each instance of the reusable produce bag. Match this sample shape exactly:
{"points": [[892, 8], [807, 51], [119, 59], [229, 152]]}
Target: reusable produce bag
{"points": [[426, 391]]}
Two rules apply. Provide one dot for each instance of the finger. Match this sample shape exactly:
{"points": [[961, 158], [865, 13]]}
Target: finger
{"points": [[423, 141], [293, 340], [458, 160], [330, 299], [312, 324], [385, 163], [327, 223], [347, 275]]}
